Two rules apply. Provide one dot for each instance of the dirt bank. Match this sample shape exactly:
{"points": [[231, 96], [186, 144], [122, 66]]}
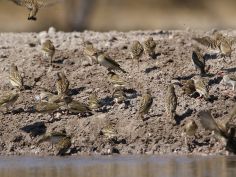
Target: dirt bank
{"points": [[20, 131]]}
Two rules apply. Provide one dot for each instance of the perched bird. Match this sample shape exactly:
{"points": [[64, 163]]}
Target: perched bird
{"points": [[146, 103], [76, 106], [109, 132], [188, 87], [8, 99], [53, 137], [59, 139], [190, 128], [46, 107], [116, 80], [198, 60], [149, 47], [33, 6], [136, 51], [109, 63], [209, 123], [119, 96], [90, 52], [15, 77], [171, 101], [201, 87], [94, 103], [62, 84], [48, 49], [224, 131], [224, 45], [218, 41], [63, 146]]}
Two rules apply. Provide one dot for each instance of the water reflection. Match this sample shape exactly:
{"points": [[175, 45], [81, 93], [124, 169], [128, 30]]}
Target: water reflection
{"points": [[148, 166]]}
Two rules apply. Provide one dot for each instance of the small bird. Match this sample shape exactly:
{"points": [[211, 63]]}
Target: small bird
{"points": [[119, 95], [149, 47], [53, 137], [146, 103], [46, 107], [201, 87], [94, 103], [109, 132], [209, 123], [190, 128], [136, 51], [188, 87], [109, 63], [48, 49], [198, 60], [116, 80], [218, 41], [62, 84], [224, 45], [63, 146], [15, 77], [33, 6], [90, 52], [207, 41], [171, 101], [76, 106], [8, 99], [224, 131]]}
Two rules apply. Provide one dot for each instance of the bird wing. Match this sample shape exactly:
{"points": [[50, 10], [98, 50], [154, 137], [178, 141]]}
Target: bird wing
{"points": [[18, 2], [206, 41], [113, 62], [208, 122]]}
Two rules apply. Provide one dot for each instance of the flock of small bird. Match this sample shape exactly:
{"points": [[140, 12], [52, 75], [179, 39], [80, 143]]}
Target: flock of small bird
{"points": [[50, 103]]}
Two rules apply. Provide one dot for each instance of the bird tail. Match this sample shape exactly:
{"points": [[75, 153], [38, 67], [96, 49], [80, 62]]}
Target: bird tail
{"points": [[123, 70]]}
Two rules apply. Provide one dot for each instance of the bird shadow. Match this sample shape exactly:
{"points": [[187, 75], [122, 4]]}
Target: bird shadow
{"points": [[180, 118], [214, 81], [35, 129], [107, 101], [75, 91], [131, 93], [148, 70], [230, 70], [212, 56], [185, 77]]}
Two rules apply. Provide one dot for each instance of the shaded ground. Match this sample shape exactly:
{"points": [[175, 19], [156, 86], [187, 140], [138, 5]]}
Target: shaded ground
{"points": [[154, 136]]}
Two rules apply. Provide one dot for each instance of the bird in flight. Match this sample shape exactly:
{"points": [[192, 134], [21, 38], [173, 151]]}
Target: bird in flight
{"points": [[34, 5]]}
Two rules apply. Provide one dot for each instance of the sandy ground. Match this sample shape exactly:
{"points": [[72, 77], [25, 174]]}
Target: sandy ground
{"points": [[20, 130]]}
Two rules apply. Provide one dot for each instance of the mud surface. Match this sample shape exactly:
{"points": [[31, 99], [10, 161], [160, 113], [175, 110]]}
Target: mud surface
{"points": [[21, 129]]}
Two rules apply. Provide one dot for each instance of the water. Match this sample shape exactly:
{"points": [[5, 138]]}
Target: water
{"points": [[119, 166]]}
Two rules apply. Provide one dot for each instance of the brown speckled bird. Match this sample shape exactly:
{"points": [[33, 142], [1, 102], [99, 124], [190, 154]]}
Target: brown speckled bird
{"points": [[48, 49], [188, 87], [46, 107], [146, 103], [33, 6], [201, 86], [76, 106], [136, 51], [109, 63], [62, 84], [116, 80], [171, 102], [149, 47], [90, 52], [15, 77], [198, 60], [94, 102], [8, 99], [119, 95], [220, 129], [190, 129]]}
